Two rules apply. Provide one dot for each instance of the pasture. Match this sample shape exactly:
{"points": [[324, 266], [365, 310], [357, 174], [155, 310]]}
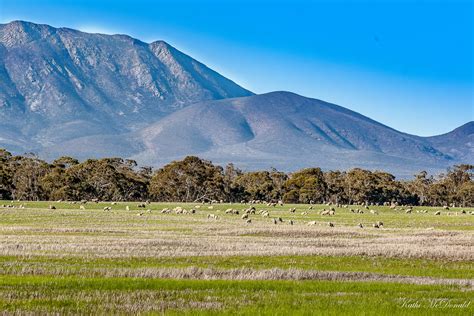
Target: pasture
{"points": [[119, 258]]}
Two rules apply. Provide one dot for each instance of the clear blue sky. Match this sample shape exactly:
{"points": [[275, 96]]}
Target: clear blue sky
{"points": [[408, 64]]}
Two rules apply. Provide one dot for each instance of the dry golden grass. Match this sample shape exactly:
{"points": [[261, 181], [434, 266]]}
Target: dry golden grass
{"points": [[120, 233]]}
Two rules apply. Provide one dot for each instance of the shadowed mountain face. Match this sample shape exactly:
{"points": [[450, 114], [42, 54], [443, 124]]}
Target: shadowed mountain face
{"points": [[458, 143], [64, 92], [57, 84]]}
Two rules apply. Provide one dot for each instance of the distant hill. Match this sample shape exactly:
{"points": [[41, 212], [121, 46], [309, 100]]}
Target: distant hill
{"points": [[65, 92], [458, 143], [288, 131]]}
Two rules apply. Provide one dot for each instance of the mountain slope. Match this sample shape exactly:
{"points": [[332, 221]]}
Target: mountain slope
{"points": [[285, 130], [57, 84], [458, 143]]}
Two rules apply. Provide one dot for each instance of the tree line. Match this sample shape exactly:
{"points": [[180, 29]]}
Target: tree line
{"points": [[26, 177]]}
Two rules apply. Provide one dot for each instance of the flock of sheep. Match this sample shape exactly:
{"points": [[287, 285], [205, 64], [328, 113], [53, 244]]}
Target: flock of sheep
{"points": [[252, 210]]}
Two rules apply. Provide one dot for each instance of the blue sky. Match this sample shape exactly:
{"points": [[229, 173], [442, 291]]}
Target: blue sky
{"points": [[408, 64]]}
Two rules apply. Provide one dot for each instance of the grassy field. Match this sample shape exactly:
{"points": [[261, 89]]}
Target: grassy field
{"points": [[131, 260]]}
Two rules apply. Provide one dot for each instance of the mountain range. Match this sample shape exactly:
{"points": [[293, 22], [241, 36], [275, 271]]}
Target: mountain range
{"points": [[66, 92]]}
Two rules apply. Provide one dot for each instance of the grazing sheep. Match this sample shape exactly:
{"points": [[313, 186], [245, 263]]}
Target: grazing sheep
{"points": [[141, 205], [113, 203], [380, 224], [375, 226], [463, 212], [127, 208], [245, 216], [446, 207], [292, 210], [360, 225], [408, 211], [212, 216], [374, 212], [82, 207], [280, 219], [248, 221], [437, 213], [290, 222], [275, 221], [352, 210], [52, 207], [304, 213], [324, 212], [311, 223], [331, 224]]}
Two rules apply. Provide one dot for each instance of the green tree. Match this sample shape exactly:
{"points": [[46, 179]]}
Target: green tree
{"points": [[258, 185], [6, 175], [233, 191], [306, 186], [109, 179], [335, 181], [188, 180], [26, 178]]}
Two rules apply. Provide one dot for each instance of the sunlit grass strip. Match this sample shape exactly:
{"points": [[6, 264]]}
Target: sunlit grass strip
{"points": [[136, 295]]}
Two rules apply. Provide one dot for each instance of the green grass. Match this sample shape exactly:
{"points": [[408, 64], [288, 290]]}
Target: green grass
{"points": [[99, 295], [70, 213], [380, 265]]}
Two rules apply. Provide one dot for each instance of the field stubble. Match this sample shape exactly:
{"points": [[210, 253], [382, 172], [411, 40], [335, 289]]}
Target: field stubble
{"points": [[418, 249]]}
